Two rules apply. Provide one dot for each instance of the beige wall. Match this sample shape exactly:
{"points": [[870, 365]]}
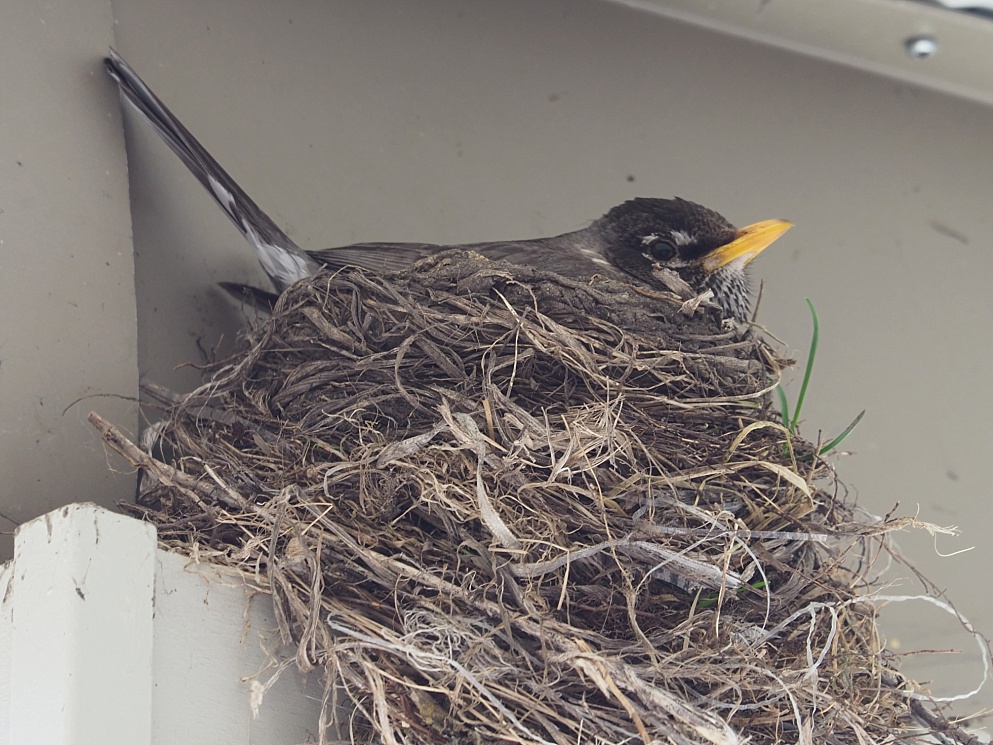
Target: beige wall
{"points": [[458, 121], [67, 310]]}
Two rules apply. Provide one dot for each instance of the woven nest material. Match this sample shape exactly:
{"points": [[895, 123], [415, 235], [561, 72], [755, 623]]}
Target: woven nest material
{"points": [[498, 506]]}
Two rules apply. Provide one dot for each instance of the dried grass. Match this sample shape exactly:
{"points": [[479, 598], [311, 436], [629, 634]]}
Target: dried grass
{"points": [[498, 506]]}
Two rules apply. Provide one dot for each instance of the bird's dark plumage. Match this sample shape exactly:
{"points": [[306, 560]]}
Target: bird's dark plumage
{"points": [[669, 244]]}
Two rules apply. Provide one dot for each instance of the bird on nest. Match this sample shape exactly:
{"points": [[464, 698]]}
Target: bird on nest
{"points": [[664, 244]]}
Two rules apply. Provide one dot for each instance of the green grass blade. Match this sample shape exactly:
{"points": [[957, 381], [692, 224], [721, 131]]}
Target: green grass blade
{"points": [[790, 424], [847, 431], [815, 337], [784, 406], [711, 601]]}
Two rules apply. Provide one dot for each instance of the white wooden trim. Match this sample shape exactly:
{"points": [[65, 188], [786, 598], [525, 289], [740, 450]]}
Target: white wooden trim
{"points": [[106, 639]]}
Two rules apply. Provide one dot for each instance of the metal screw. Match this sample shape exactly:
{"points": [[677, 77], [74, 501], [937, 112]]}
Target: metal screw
{"points": [[921, 47]]}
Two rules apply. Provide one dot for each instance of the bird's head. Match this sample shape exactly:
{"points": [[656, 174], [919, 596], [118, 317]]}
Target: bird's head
{"points": [[685, 248]]}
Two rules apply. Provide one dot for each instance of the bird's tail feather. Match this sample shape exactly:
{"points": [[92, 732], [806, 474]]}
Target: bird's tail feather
{"points": [[281, 258], [259, 299]]}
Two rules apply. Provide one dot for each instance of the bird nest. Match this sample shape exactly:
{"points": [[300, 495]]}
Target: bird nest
{"points": [[495, 505]]}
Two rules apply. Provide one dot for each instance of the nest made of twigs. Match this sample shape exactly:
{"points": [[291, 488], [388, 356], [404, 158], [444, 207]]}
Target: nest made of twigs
{"points": [[499, 506]]}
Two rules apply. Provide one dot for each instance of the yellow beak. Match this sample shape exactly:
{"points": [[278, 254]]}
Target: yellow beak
{"points": [[747, 244]]}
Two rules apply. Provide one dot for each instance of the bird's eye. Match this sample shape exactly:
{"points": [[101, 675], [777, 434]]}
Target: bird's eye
{"points": [[660, 250]]}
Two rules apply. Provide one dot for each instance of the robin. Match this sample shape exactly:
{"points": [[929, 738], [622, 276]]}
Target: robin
{"points": [[664, 244]]}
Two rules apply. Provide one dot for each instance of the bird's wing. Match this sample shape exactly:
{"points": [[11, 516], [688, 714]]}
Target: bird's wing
{"points": [[391, 258], [385, 258], [381, 258], [281, 258]]}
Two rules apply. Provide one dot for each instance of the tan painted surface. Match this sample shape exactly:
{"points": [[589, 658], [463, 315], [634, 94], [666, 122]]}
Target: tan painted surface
{"points": [[445, 121], [67, 310]]}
